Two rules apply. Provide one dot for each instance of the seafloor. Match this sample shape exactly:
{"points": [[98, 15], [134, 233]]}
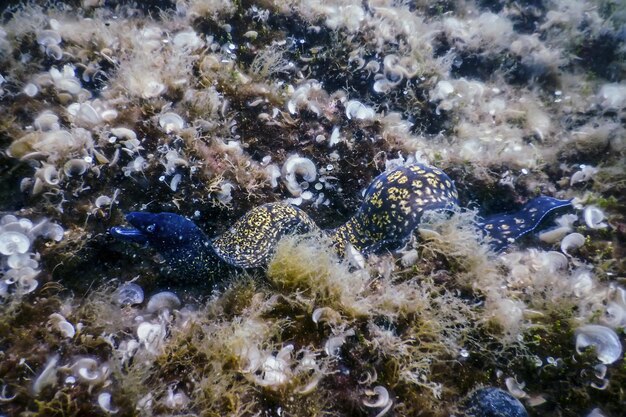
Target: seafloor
{"points": [[208, 108]]}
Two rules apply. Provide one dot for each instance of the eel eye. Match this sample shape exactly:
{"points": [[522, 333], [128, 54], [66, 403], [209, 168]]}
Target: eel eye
{"points": [[151, 228]]}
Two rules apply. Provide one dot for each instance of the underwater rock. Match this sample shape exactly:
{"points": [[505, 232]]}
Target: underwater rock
{"points": [[494, 402]]}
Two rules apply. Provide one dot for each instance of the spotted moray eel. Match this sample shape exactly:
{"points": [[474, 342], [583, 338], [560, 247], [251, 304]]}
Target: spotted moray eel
{"points": [[392, 208]]}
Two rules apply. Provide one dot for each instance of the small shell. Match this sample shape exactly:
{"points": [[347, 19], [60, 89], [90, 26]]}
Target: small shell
{"points": [[13, 242], [75, 167], [603, 339], [104, 401], [161, 301], [129, 294], [66, 329], [175, 181], [572, 241], [515, 388], [593, 218], [324, 314], [382, 397], [103, 200], [356, 109], [297, 165], [171, 122]]}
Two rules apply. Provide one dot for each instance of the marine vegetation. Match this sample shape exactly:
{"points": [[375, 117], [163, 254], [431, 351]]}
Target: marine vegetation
{"points": [[213, 208]]}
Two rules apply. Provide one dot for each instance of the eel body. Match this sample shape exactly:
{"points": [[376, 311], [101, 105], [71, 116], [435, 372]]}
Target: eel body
{"points": [[391, 211]]}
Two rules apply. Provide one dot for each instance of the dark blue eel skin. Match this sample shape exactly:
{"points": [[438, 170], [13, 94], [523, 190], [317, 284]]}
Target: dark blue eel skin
{"points": [[391, 211]]}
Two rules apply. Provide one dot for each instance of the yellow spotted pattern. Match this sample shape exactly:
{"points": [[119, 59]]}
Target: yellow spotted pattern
{"points": [[251, 241], [393, 206]]}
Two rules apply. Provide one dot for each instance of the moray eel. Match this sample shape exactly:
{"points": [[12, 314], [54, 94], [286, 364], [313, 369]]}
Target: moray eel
{"points": [[391, 211]]}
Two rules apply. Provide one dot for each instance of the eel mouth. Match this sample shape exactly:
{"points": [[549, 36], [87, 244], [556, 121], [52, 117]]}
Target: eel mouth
{"points": [[129, 233]]}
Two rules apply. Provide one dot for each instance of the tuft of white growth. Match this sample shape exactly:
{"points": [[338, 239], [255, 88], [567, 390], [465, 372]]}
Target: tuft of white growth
{"points": [[612, 96], [348, 17], [594, 217], [136, 165], [310, 96], [605, 341], [187, 41], [176, 400], [442, 90], [488, 30]]}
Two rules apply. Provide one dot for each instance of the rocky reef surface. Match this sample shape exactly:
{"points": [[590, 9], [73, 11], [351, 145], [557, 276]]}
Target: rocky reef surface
{"points": [[208, 108]]}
